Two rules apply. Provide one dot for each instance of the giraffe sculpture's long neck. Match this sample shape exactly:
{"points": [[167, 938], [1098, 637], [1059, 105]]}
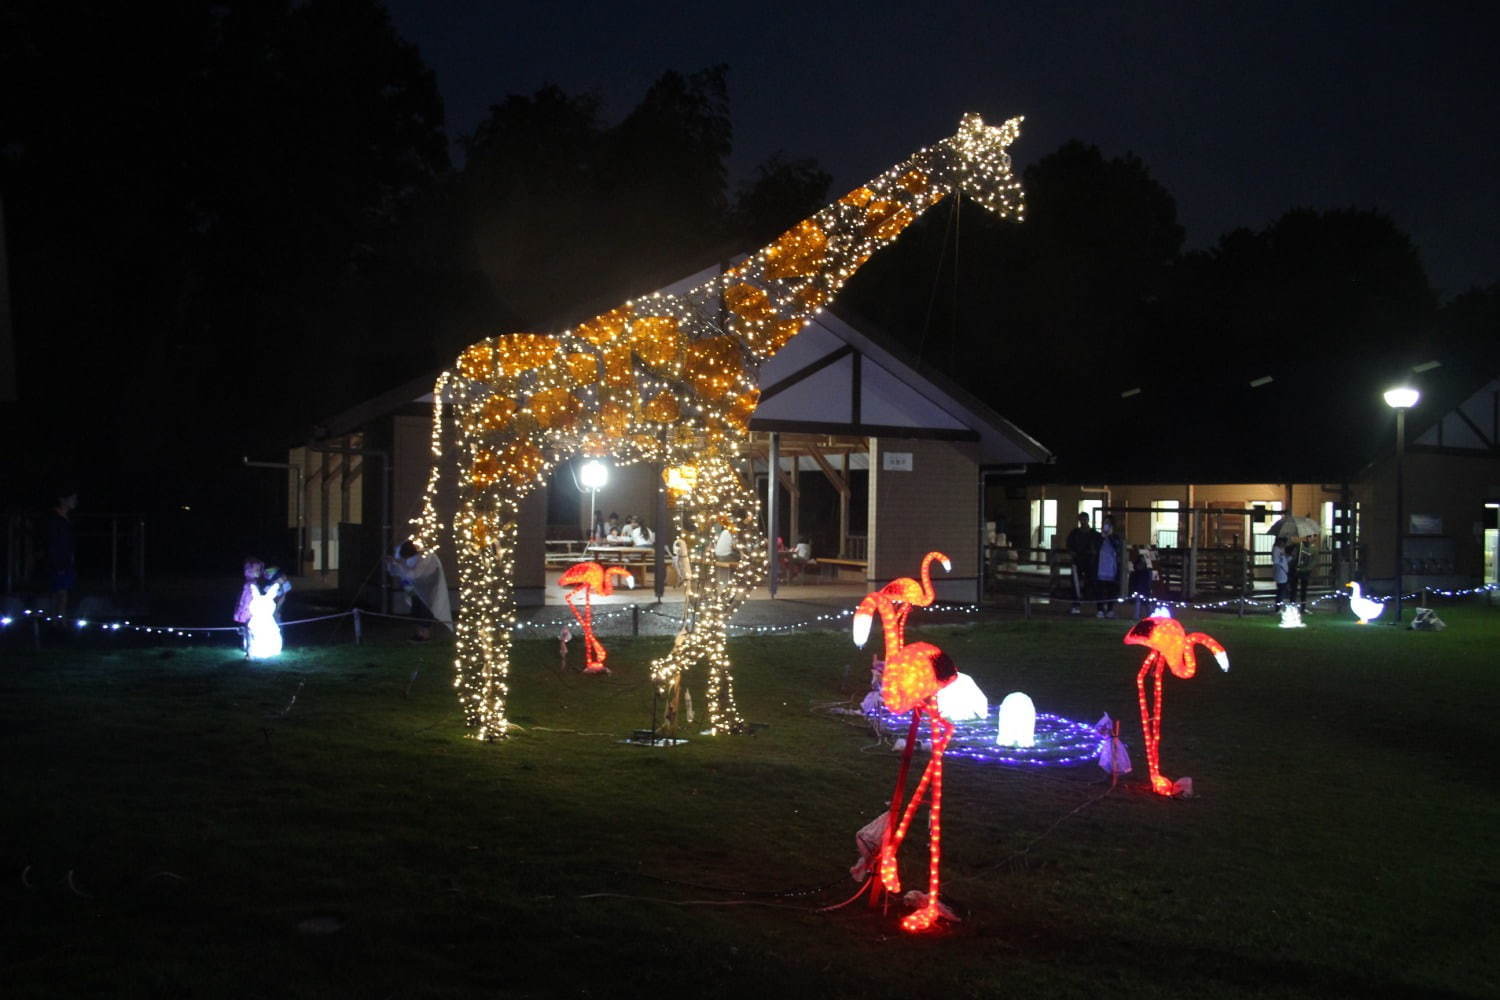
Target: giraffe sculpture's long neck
{"points": [[774, 293]]}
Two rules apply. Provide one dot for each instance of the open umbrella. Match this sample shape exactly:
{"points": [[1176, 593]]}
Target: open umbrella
{"points": [[1293, 526]]}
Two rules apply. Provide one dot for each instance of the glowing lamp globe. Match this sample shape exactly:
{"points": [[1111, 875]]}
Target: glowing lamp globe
{"points": [[961, 700], [1403, 398], [593, 475], [1017, 721]]}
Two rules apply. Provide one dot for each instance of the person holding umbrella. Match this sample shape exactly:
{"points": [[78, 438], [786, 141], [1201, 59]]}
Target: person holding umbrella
{"points": [[1291, 530]]}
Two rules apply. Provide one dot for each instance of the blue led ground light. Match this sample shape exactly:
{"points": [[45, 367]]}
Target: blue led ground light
{"points": [[1059, 742]]}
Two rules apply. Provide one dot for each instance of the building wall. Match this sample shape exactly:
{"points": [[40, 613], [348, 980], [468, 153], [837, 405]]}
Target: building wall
{"points": [[1453, 488], [1135, 526], [344, 505], [934, 506]]}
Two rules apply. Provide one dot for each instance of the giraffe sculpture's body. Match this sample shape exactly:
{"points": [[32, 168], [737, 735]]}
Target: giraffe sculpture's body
{"points": [[666, 379]]}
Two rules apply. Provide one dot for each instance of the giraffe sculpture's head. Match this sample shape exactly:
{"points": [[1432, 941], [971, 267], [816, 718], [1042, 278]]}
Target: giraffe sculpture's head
{"points": [[981, 164]]}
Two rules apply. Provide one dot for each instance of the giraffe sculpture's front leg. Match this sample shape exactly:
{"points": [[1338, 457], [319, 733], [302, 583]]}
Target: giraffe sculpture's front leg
{"points": [[483, 638], [1151, 721]]}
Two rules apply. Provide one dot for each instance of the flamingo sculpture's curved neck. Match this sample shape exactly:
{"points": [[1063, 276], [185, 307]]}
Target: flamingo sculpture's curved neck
{"points": [[928, 596], [878, 604]]}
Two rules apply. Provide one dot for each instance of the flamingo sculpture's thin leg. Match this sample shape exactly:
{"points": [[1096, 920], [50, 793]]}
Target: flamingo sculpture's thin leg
{"points": [[889, 877], [593, 651], [1151, 721], [932, 778], [942, 732]]}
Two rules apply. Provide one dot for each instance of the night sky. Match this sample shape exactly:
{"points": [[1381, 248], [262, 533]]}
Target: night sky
{"points": [[1242, 111]]}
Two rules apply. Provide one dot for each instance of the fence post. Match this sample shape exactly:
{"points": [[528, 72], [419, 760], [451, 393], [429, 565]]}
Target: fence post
{"points": [[1026, 606], [36, 634], [635, 619], [359, 632]]}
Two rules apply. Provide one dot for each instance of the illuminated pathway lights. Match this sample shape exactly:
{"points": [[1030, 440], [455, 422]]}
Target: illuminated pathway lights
{"points": [[1058, 742]]}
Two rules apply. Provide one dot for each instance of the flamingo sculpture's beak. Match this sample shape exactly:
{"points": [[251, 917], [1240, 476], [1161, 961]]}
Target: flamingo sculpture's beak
{"points": [[1223, 659], [862, 629], [947, 566], [629, 581]]}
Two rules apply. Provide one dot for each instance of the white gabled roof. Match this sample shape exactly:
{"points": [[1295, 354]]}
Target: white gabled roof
{"points": [[1473, 426]]}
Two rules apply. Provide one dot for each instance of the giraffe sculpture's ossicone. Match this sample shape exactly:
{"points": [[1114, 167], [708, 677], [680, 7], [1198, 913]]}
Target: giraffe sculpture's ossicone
{"points": [[670, 380]]}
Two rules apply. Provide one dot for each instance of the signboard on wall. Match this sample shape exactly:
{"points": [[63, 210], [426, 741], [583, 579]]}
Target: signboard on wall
{"points": [[1424, 524], [896, 461]]}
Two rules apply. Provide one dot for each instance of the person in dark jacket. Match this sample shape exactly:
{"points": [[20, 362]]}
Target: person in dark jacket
{"points": [[1109, 569], [1083, 545], [59, 552]]}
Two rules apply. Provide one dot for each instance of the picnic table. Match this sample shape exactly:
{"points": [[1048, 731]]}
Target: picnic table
{"points": [[564, 551], [636, 558]]}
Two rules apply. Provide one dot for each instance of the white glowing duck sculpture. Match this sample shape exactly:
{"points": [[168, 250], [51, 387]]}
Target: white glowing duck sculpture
{"points": [[1364, 608]]}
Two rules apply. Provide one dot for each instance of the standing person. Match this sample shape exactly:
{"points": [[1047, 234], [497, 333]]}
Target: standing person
{"points": [[425, 585], [60, 552], [272, 579], [1107, 574], [253, 569], [640, 536], [1300, 571], [1293, 552], [1279, 570], [1083, 544], [1140, 572]]}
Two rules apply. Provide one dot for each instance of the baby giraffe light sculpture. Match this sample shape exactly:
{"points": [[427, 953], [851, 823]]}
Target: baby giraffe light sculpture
{"points": [[913, 677]]}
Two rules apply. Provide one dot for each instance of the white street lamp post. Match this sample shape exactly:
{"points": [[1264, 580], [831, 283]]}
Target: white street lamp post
{"points": [[1400, 400], [592, 476]]}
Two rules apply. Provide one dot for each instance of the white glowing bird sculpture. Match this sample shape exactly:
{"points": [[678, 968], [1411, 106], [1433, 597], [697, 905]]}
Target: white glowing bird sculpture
{"points": [[1363, 607]]}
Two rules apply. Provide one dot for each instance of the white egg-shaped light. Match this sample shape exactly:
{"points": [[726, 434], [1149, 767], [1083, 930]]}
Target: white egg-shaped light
{"points": [[1017, 721], [961, 700]]}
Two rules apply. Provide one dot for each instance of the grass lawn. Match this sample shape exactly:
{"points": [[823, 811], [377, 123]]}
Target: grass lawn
{"points": [[1342, 842]]}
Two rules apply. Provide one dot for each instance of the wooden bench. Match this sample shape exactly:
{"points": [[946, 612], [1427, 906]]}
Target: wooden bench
{"points": [[835, 565]]}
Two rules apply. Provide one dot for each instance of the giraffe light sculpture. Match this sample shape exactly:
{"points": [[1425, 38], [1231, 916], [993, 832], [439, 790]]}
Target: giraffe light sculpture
{"points": [[669, 379]]}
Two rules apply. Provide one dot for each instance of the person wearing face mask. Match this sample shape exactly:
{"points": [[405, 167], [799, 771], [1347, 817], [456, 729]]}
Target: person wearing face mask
{"points": [[1111, 563]]}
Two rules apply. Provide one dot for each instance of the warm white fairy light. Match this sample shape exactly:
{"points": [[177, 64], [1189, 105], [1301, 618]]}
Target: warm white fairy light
{"points": [[670, 380]]}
